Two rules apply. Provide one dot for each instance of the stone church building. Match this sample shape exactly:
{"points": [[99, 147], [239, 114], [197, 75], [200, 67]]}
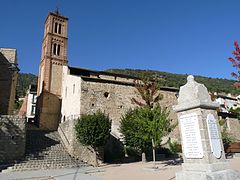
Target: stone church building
{"points": [[64, 92]]}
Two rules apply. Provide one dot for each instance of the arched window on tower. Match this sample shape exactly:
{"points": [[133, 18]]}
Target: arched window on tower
{"points": [[56, 27], [60, 29], [58, 49], [55, 49]]}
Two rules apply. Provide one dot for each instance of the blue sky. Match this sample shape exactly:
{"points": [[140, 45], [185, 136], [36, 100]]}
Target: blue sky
{"points": [[179, 36]]}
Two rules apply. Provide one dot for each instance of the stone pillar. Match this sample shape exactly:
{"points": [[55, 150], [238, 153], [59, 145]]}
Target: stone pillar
{"points": [[203, 152]]}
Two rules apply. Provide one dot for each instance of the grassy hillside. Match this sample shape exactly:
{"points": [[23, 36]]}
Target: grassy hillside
{"points": [[177, 80], [164, 78]]}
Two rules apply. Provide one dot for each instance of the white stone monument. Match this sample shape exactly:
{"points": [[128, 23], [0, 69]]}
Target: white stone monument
{"points": [[203, 152]]}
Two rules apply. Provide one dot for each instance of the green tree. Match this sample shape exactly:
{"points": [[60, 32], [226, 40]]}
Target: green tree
{"points": [[93, 130], [150, 94], [144, 127]]}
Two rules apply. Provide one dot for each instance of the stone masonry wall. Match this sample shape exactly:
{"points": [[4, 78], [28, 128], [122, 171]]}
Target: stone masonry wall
{"points": [[115, 100], [12, 137], [8, 80], [68, 135], [233, 126], [112, 98]]}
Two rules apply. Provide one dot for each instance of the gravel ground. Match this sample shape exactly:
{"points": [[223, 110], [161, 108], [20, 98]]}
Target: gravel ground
{"points": [[145, 171]]}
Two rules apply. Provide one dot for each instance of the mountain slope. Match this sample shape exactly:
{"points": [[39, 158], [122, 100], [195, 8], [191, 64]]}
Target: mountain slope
{"points": [[164, 78], [177, 80]]}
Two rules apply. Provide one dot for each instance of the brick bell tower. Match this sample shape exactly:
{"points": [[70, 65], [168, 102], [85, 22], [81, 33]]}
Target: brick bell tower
{"points": [[53, 58]]}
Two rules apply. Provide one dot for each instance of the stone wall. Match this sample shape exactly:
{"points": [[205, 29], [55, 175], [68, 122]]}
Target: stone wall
{"points": [[8, 80], [112, 99], [116, 99], [12, 137], [112, 94], [68, 136], [233, 126], [48, 111]]}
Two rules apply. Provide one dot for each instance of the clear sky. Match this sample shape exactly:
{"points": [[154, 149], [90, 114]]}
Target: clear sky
{"points": [[179, 36]]}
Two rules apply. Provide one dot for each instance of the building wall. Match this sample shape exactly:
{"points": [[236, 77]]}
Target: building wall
{"points": [[31, 105], [233, 125], [113, 99], [118, 101], [8, 80], [71, 93], [48, 111], [12, 137], [91, 94]]}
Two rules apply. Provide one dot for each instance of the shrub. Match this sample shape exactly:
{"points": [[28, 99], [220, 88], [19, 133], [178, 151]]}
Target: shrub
{"points": [[93, 129]]}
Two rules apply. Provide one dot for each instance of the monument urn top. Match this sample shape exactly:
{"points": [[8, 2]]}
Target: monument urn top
{"points": [[193, 95]]}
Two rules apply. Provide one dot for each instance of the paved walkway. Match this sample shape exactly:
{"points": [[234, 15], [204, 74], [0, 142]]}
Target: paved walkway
{"points": [[126, 171], [144, 171], [58, 174]]}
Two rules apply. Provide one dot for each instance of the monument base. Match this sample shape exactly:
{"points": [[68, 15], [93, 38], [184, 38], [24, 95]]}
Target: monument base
{"points": [[227, 174]]}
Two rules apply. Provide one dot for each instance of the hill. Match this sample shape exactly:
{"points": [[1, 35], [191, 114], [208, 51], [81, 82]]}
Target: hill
{"points": [[177, 80], [164, 78]]}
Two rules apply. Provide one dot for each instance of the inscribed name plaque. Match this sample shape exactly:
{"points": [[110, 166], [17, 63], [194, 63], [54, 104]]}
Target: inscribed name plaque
{"points": [[191, 138], [214, 137]]}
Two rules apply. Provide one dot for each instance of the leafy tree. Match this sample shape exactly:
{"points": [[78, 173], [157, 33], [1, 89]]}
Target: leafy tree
{"points": [[236, 63], [144, 125], [93, 130], [149, 92], [133, 127]]}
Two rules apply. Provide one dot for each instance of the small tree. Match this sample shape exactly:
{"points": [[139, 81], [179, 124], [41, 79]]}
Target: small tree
{"points": [[93, 130], [236, 63], [143, 125], [149, 92], [133, 127]]}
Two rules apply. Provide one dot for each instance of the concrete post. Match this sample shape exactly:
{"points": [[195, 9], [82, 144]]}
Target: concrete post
{"points": [[203, 152]]}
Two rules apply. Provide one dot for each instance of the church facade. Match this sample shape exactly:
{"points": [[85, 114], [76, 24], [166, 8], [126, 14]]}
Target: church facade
{"points": [[65, 92]]}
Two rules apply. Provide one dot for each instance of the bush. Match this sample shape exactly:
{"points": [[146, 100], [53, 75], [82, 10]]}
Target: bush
{"points": [[93, 129]]}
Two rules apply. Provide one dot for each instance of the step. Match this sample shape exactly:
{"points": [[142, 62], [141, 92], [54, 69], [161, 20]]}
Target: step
{"points": [[44, 151]]}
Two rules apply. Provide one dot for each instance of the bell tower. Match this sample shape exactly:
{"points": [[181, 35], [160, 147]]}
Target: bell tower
{"points": [[53, 58]]}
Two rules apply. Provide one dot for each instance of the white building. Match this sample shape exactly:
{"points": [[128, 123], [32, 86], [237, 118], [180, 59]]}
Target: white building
{"points": [[31, 102]]}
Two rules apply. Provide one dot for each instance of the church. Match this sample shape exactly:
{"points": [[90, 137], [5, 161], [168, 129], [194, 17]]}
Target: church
{"points": [[65, 92]]}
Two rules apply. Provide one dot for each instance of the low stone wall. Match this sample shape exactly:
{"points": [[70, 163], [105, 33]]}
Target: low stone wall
{"points": [[12, 137], [68, 136]]}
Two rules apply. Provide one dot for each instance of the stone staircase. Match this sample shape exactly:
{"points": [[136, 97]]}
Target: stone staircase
{"points": [[43, 151]]}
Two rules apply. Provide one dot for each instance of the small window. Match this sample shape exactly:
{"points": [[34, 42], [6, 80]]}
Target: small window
{"points": [[59, 29], [73, 88], [54, 48], [33, 110], [58, 50], [66, 92], [106, 94], [56, 27], [34, 99]]}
